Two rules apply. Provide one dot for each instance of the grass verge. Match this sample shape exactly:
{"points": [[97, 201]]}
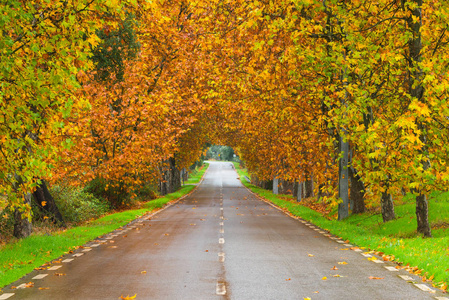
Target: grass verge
{"points": [[197, 174], [21, 257], [397, 239]]}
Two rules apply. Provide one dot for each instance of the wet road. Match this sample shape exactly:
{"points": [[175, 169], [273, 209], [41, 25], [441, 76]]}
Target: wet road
{"points": [[220, 242]]}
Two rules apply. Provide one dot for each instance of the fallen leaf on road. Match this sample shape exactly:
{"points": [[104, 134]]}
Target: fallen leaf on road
{"points": [[344, 249], [128, 297], [167, 234], [336, 275], [44, 288], [342, 263], [112, 247], [40, 268], [316, 292], [193, 224], [29, 285], [206, 251], [311, 255], [307, 298], [288, 279], [59, 274], [372, 277], [143, 272], [334, 268], [324, 278]]}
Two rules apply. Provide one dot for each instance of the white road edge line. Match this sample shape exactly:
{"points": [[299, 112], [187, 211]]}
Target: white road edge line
{"points": [[40, 276], [406, 278], [6, 296], [54, 268], [221, 240], [221, 289], [423, 287], [392, 269]]}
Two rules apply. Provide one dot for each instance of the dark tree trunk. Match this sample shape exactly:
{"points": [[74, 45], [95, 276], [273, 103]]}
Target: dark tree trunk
{"points": [[22, 226], [416, 90], [175, 176], [357, 194], [422, 215], [343, 180], [46, 203], [387, 207]]}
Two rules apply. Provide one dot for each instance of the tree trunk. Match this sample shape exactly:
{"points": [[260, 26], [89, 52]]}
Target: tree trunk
{"points": [[387, 207], [275, 185], [22, 226], [422, 215], [416, 90], [343, 181], [46, 204], [357, 192], [299, 194]]}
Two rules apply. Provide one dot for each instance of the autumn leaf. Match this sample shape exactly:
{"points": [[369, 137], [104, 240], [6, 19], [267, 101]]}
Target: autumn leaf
{"points": [[128, 297], [342, 263], [44, 288], [371, 277], [143, 272], [311, 255], [334, 268], [324, 278]]}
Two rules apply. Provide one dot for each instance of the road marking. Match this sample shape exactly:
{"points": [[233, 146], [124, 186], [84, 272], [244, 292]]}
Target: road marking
{"points": [[441, 298], [54, 268], [378, 261], [423, 287], [67, 260], [392, 269], [221, 289], [311, 226], [40, 276], [221, 257], [323, 232], [341, 242], [109, 238], [317, 229], [221, 230], [358, 250], [221, 208], [405, 277], [221, 240], [22, 286], [222, 217], [78, 254], [334, 238], [348, 245], [221, 223], [87, 250], [94, 245], [366, 255], [6, 296]]}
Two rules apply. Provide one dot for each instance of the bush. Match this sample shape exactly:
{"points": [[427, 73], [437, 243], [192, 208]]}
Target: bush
{"points": [[116, 193], [77, 205]]}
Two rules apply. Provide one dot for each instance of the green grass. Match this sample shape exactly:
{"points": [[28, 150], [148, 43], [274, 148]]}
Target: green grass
{"points": [[21, 257], [197, 174], [396, 238]]}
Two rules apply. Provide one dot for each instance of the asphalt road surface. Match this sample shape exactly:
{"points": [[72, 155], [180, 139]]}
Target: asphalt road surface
{"points": [[220, 242]]}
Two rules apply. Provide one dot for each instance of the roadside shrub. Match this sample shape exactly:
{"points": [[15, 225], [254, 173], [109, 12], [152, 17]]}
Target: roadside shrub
{"points": [[6, 224], [116, 193], [77, 205]]}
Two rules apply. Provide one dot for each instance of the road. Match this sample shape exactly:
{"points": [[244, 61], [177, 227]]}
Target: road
{"points": [[220, 242]]}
